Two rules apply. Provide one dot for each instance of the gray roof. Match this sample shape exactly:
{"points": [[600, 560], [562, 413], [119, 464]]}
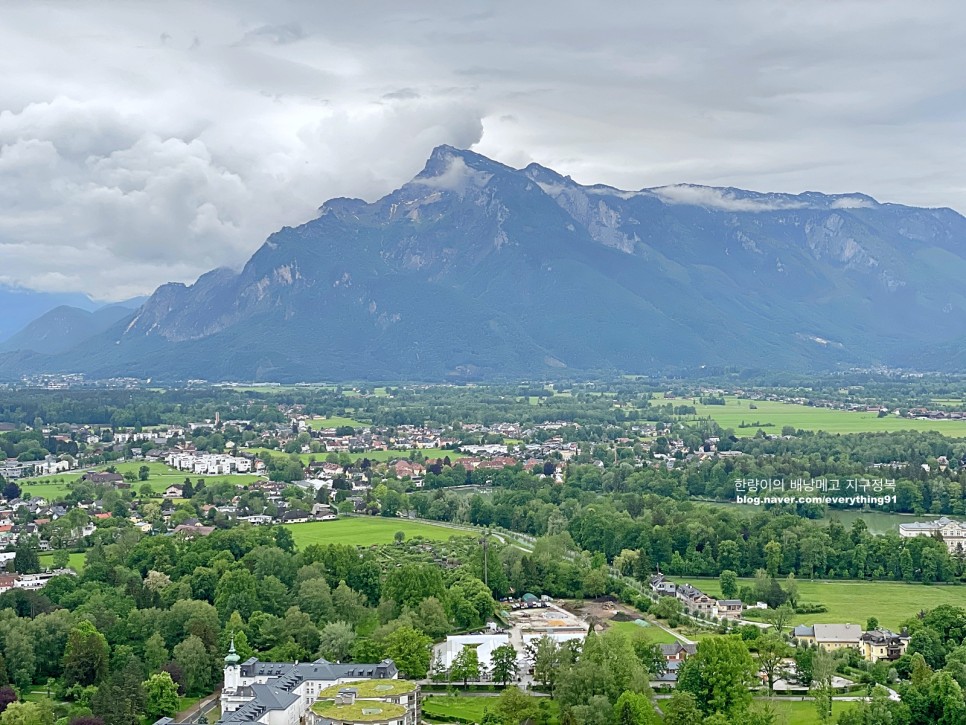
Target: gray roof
{"points": [[803, 630], [837, 632], [276, 694]]}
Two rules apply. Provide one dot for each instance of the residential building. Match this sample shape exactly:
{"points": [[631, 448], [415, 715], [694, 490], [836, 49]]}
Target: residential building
{"points": [[829, 637], [881, 644], [953, 533]]}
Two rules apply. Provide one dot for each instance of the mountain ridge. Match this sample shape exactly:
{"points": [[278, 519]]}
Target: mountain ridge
{"points": [[474, 269]]}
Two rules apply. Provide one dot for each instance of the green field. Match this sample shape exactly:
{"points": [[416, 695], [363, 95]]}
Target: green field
{"points": [[856, 601], [735, 412], [365, 531], [799, 712], [76, 561], [336, 422], [654, 633], [160, 477]]}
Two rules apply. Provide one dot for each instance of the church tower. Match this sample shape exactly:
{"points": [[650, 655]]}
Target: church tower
{"points": [[232, 668]]}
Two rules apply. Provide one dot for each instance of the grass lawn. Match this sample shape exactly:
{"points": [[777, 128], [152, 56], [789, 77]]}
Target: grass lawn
{"points": [[76, 561], [441, 707], [336, 422], [856, 601], [735, 412], [799, 712], [654, 633], [365, 531]]}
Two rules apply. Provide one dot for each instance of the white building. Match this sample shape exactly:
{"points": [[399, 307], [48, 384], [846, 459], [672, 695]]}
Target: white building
{"points": [[953, 533], [445, 652], [283, 693], [208, 464]]}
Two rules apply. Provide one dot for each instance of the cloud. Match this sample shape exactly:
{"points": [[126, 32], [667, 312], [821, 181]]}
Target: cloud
{"points": [[723, 199], [191, 131]]}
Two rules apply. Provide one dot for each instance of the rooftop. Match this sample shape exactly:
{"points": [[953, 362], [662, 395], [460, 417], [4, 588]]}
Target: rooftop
{"points": [[371, 688], [362, 711]]}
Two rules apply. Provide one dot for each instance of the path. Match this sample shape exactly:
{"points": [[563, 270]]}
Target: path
{"points": [[202, 707]]}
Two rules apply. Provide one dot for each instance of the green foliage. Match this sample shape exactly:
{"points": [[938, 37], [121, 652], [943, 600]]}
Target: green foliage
{"points": [[161, 696], [86, 657], [410, 650], [718, 675]]}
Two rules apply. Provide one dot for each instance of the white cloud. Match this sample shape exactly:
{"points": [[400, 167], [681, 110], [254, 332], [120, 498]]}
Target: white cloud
{"points": [[147, 142], [722, 199]]}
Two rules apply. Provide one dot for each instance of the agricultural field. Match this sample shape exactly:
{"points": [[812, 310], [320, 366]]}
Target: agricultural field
{"points": [[365, 531], [774, 415], [856, 601]]}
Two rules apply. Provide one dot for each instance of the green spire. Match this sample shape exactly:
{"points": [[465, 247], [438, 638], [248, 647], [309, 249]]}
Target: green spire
{"points": [[232, 657]]}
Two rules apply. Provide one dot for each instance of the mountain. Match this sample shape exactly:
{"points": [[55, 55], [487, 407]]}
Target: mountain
{"points": [[474, 270], [64, 328], [20, 306]]}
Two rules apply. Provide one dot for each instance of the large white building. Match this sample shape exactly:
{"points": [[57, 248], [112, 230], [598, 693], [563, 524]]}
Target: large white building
{"points": [[284, 693], [953, 533], [210, 464]]}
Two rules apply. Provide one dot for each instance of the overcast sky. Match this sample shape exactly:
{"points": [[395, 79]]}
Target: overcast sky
{"points": [[144, 142]]}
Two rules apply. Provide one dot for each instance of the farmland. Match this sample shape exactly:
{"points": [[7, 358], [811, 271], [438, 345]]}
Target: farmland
{"points": [[856, 601], [335, 422], [773, 415], [364, 531]]}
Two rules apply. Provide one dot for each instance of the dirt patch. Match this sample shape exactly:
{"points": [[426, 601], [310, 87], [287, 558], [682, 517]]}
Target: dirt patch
{"points": [[603, 610]]}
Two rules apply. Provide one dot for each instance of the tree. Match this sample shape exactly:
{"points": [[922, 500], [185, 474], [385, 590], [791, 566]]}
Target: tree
{"points": [[780, 617], [61, 559], [546, 656], [237, 591], [681, 709], [823, 670], [772, 651], [719, 675], [504, 663], [515, 706], [22, 661], [28, 713], [27, 558], [161, 696], [194, 660], [143, 473], [315, 599], [410, 650], [86, 656], [466, 665], [399, 536], [871, 624], [633, 708], [8, 696], [155, 653], [729, 584], [335, 641]]}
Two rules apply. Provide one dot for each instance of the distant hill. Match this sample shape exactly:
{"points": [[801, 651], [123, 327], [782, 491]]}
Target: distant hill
{"points": [[64, 328], [18, 307], [477, 270]]}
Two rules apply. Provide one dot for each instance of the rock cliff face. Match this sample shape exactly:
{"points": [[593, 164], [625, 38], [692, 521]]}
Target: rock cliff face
{"points": [[474, 269]]}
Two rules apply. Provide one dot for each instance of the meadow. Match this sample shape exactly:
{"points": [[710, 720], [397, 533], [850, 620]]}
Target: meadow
{"points": [[655, 634], [365, 531], [855, 601], [774, 415], [160, 476], [336, 422]]}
